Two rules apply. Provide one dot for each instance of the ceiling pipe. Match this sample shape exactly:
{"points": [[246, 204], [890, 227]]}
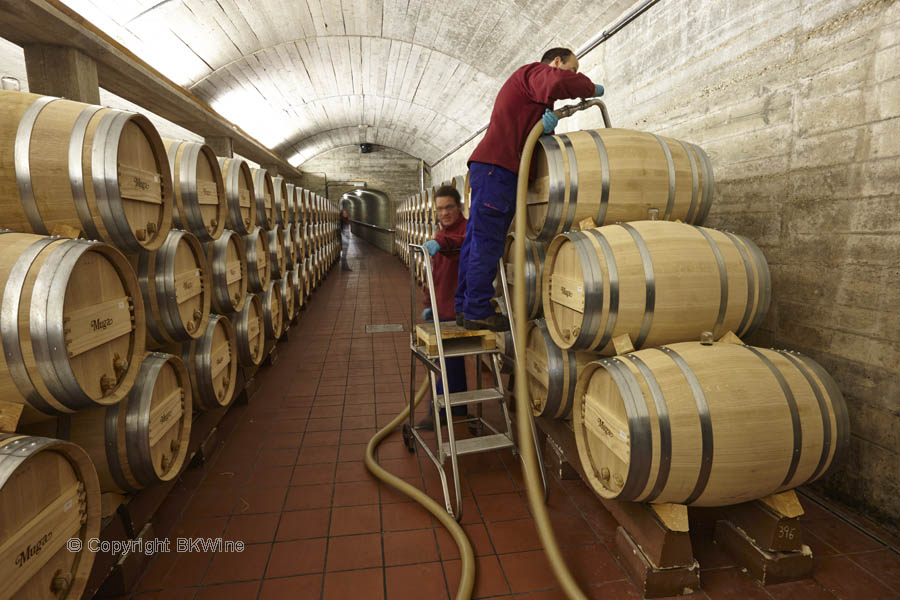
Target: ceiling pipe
{"points": [[593, 43]]}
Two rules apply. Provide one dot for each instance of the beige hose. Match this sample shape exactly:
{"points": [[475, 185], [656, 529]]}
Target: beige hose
{"points": [[467, 574], [529, 463]]}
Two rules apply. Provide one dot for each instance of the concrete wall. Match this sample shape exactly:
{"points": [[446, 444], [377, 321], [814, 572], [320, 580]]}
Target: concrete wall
{"points": [[797, 103]]}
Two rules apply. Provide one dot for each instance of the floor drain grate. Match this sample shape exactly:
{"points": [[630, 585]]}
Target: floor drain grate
{"points": [[385, 328]]}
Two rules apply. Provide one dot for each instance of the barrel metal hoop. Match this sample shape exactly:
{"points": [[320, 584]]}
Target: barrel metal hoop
{"points": [[46, 325], [573, 181], [670, 202], [613, 272], [219, 268], [103, 182], [823, 410], [708, 184], [9, 326], [764, 281], [178, 220], [663, 425], [638, 432], [164, 282], [16, 452], [22, 163], [796, 425], [531, 298], [695, 183], [751, 283], [649, 284], [203, 362], [604, 177], [841, 417], [259, 193], [723, 279], [274, 244], [593, 293], [111, 445], [76, 171], [137, 422], [706, 430], [569, 399], [554, 371], [557, 191], [242, 330], [190, 158]]}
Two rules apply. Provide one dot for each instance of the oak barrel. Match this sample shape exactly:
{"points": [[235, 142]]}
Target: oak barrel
{"points": [[552, 372], [289, 298], [299, 285], [264, 193], [615, 175], [290, 205], [212, 362], [280, 200], [273, 315], [200, 205], [72, 324], [176, 287], [657, 281], [142, 440], [49, 494], [277, 255], [290, 248], [707, 425], [69, 166], [256, 243], [239, 194], [227, 258], [249, 331], [535, 252]]}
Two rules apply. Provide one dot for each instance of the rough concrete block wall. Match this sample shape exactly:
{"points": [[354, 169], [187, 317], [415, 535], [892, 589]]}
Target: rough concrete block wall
{"points": [[797, 103]]}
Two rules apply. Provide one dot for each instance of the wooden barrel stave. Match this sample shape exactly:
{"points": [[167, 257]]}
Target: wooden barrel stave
{"points": [[212, 362], [277, 254], [264, 193], [259, 267], [674, 424], [227, 259], [552, 372], [249, 330]]}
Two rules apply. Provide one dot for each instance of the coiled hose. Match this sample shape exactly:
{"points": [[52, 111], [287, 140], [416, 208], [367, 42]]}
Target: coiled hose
{"points": [[467, 574]]}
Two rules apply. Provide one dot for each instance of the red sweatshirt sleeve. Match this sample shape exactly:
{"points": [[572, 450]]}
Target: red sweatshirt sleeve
{"points": [[547, 85]]}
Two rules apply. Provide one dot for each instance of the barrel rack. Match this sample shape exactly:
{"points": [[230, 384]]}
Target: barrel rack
{"points": [[653, 541], [148, 513]]}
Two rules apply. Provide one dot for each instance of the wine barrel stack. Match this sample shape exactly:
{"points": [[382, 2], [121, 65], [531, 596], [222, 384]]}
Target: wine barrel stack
{"points": [[140, 278], [636, 316]]}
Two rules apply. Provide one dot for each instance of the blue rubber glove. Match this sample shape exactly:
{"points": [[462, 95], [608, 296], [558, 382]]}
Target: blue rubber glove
{"points": [[432, 246], [550, 121], [427, 315], [598, 90]]}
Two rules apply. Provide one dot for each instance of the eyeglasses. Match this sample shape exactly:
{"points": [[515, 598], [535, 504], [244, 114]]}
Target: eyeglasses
{"points": [[447, 208]]}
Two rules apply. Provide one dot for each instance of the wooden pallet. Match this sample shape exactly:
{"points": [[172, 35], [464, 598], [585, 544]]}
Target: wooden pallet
{"points": [[426, 336]]}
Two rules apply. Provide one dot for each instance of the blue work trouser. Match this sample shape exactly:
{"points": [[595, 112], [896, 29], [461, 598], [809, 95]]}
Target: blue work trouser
{"points": [[456, 381], [491, 213]]}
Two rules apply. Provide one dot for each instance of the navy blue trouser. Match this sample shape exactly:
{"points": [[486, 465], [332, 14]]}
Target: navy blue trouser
{"points": [[491, 213], [456, 381]]}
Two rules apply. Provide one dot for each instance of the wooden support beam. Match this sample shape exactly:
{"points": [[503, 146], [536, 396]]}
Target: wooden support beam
{"points": [[62, 71], [221, 145], [47, 22]]}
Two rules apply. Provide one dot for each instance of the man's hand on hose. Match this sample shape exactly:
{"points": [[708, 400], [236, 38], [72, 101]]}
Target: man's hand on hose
{"points": [[550, 121], [427, 315], [432, 246]]}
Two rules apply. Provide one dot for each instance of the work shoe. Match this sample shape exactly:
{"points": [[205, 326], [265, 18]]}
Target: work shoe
{"points": [[460, 319], [495, 322]]}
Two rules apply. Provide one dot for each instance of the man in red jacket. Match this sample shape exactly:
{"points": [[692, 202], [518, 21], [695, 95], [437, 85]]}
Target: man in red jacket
{"points": [[444, 250], [527, 96]]}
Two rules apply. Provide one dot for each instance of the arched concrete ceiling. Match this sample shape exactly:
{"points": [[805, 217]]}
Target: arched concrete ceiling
{"points": [[305, 76]]}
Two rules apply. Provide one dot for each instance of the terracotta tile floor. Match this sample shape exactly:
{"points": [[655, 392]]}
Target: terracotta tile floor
{"points": [[289, 481]]}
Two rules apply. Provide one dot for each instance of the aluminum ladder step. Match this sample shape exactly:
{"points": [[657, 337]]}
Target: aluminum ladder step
{"points": [[485, 443], [475, 396]]}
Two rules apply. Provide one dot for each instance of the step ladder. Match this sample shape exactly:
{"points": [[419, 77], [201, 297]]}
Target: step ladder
{"points": [[433, 343]]}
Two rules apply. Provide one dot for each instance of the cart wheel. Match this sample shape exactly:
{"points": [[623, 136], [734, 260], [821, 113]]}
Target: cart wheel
{"points": [[408, 438]]}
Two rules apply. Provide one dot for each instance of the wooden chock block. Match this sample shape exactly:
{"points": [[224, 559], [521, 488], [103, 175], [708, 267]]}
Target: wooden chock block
{"points": [[110, 503], [651, 580], [730, 338], [674, 517], [772, 523], [9, 416], [586, 224], [556, 462], [622, 344], [660, 531], [767, 567]]}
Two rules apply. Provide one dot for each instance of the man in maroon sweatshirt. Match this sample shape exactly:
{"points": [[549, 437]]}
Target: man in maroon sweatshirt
{"points": [[444, 250], [526, 97]]}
